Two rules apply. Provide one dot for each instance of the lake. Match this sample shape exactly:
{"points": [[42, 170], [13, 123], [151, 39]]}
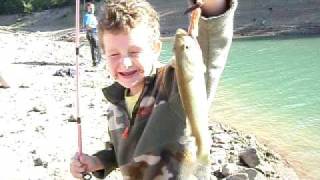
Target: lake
{"points": [[271, 88]]}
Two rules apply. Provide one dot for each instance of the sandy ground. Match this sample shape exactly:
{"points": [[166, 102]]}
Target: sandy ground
{"points": [[36, 138]]}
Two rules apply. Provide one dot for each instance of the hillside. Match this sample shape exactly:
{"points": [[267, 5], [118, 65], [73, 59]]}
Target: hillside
{"points": [[253, 17]]}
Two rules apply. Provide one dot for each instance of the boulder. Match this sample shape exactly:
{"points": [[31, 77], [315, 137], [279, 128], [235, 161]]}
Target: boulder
{"points": [[249, 157]]}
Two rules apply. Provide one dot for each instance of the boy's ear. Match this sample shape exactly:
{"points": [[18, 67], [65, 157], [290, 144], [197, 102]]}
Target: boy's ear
{"points": [[157, 46]]}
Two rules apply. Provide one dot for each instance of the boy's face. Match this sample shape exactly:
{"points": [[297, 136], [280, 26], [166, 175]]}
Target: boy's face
{"points": [[90, 8], [130, 56]]}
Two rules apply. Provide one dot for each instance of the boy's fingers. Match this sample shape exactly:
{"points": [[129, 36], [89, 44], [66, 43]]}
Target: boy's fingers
{"points": [[76, 163], [85, 159], [77, 171], [76, 166], [79, 165], [78, 175]]}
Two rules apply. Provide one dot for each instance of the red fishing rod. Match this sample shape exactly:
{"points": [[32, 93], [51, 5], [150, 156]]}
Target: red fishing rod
{"points": [[85, 175]]}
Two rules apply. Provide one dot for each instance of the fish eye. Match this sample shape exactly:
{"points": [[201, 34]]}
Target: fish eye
{"points": [[187, 47]]}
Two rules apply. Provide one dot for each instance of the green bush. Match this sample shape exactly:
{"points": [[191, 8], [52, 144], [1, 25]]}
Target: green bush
{"points": [[11, 6], [28, 6], [39, 5]]}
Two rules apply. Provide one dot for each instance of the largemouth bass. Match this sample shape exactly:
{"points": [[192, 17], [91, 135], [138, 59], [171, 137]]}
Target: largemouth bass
{"points": [[189, 69]]}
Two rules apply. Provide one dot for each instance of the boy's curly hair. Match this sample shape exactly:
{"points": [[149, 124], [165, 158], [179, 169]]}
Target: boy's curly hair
{"points": [[122, 15]]}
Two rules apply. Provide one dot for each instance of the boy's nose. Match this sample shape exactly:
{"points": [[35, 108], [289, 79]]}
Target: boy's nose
{"points": [[127, 62]]}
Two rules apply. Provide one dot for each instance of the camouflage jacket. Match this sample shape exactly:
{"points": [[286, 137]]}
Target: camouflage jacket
{"points": [[152, 143]]}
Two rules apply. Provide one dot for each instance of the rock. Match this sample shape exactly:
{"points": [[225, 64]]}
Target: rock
{"points": [[65, 72], [252, 141], [266, 168], [249, 157], [4, 87], [45, 164], [39, 129], [218, 174], [254, 174], [24, 86], [219, 156], [215, 167], [72, 119], [91, 105], [239, 176], [68, 105], [58, 73], [40, 109], [229, 169], [37, 162]]}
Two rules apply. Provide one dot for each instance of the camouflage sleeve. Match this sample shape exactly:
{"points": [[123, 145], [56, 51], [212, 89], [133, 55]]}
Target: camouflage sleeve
{"points": [[215, 37], [108, 159]]}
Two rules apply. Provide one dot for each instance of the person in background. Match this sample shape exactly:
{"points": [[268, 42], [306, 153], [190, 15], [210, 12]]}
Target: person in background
{"points": [[147, 124], [90, 25]]}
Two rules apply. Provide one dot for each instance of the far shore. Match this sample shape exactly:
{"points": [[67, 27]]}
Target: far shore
{"points": [[253, 35]]}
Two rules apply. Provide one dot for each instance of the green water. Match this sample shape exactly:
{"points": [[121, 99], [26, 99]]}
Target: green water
{"points": [[271, 88]]}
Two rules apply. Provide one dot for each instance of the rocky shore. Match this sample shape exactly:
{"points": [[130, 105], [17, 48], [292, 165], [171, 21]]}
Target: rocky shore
{"points": [[237, 156]]}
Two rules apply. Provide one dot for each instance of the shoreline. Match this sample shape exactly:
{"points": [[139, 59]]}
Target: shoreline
{"points": [[266, 35], [295, 165]]}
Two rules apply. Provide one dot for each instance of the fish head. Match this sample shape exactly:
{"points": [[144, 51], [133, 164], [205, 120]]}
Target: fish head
{"points": [[188, 54]]}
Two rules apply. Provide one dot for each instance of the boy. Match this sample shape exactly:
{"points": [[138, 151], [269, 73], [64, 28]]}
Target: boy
{"points": [[148, 123], [90, 25]]}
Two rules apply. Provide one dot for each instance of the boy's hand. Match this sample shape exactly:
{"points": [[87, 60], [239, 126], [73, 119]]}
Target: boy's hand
{"points": [[84, 163]]}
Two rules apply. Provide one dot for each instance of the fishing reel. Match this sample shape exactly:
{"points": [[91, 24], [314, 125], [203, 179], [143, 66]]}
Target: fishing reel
{"points": [[86, 176]]}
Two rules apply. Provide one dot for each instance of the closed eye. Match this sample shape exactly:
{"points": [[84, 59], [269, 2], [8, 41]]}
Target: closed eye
{"points": [[134, 53], [114, 55]]}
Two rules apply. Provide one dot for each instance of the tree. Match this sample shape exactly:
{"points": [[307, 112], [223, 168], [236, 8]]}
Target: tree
{"points": [[28, 6], [11, 6]]}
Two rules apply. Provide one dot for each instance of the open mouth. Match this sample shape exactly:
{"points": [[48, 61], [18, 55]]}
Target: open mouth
{"points": [[128, 73]]}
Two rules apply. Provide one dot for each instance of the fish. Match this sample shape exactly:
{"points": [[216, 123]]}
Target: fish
{"points": [[189, 71]]}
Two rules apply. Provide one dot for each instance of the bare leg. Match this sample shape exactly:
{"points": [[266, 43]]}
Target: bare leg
{"points": [[3, 83]]}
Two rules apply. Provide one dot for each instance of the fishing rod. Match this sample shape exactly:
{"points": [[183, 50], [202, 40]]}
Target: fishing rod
{"points": [[85, 175]]}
